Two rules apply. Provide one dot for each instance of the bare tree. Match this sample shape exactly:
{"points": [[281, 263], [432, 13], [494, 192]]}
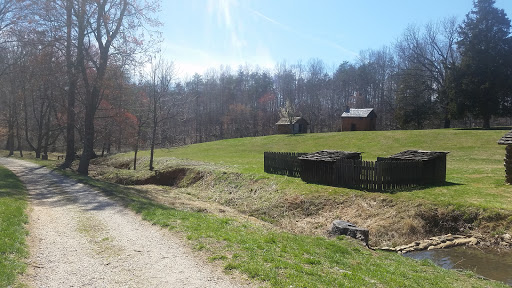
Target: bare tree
{"points": [[160, 104], [432, 50], [113, 32]]}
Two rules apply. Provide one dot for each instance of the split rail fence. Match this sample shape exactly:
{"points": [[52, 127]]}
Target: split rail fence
{"points": [[381, 175]]}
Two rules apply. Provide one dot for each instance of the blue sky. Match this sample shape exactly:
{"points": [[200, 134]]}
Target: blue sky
{"points": [[202, 34]]}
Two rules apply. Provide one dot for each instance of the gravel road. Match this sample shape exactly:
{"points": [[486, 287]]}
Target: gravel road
{"points": [[80, 238]]}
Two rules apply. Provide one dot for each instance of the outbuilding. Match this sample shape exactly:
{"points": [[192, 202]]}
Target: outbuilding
{"points": [[293, 125], [359, 120]]}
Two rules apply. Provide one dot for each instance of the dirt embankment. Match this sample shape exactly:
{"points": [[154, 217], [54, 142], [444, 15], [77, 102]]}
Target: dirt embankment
{"points": [[391, 222]]}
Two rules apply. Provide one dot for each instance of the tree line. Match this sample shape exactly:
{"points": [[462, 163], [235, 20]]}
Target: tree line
{"points": [[79, 76]]}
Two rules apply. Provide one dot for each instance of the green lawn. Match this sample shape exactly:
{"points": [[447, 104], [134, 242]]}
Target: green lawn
{"points": [[475, 172], [13, 249]]}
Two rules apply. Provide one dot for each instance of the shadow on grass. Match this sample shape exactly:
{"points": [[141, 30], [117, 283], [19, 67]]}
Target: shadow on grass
{"points": [[10, 185], [418, 188], [296, 135], [480, 128]]}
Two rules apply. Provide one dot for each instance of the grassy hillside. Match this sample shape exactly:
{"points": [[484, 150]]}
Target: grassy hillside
{"points": [[475, 172]]}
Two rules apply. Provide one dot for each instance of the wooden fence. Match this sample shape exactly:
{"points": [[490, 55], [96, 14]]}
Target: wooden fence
{"points": [[377, 176], [283, 163], [356, 174]]}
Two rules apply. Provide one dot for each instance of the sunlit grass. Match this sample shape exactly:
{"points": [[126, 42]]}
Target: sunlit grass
{"points": [[475, 172], [13, 248]]}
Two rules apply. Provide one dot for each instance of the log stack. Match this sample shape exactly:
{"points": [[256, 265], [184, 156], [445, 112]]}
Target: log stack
{"points": [[507, 140]]}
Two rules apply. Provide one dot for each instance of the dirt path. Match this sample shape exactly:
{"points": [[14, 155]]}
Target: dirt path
{"points": [[80, 238]]}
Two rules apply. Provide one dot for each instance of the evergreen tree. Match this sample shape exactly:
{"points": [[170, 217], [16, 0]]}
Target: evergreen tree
{"points": [[484, 71]]}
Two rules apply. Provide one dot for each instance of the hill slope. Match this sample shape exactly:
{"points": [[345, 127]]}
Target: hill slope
{"points": [[475, 172]]}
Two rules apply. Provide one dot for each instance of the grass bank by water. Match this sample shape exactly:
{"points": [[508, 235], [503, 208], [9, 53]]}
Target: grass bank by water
{"points": [[279, 259]]}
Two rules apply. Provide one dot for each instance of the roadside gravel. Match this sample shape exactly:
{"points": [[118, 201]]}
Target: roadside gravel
{"points": [[80, 238]]}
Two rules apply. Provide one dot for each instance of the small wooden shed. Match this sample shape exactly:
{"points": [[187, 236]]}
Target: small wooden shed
{"points": [[319, 167], [434, 164], [298, 124], [507, 140], [359, 120]]}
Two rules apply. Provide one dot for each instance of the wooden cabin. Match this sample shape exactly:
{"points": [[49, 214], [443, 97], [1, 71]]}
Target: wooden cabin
{"points": [[359, 120], [297, 125]]}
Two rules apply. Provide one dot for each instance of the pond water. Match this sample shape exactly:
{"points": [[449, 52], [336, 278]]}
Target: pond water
{"points": [[492, 264]]}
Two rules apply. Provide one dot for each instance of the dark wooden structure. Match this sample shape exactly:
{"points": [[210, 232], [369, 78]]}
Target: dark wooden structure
{"points": [[319, 167], [377, 176], [507, 140], [283, 163], [403, 170], [297, 125], [359, 120], [433, 171]]}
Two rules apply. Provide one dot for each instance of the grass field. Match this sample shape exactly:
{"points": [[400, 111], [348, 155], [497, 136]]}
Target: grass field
{"points": [[13, 249], [234, 177], [475, 172]]}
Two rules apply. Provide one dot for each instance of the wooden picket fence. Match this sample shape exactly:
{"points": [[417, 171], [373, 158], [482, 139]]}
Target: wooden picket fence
{"points": [[381, 175], [377, 176], [283, 163]]}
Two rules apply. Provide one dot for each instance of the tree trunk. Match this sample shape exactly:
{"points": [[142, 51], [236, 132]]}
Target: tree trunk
{"points": [[10, 138], [487, 122], [70, 128], [19, 138], [72, 81], [153, 139], [88, 149], [447, 121], [103, 149], [135, 158], [47, 133], [136, 149], [9, 145]]}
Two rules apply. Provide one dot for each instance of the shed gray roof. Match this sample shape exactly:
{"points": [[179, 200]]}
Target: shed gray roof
{"points": [[417, 155], [358, 113], [286, 121], [506, 139], [330, 155]]}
